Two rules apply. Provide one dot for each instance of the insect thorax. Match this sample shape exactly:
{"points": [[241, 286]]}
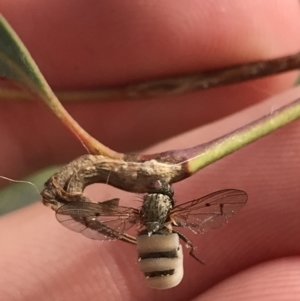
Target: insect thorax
{"points": [[155, 211]]}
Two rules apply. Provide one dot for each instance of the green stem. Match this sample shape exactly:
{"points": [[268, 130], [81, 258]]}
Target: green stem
{"points": [[203, 155]]}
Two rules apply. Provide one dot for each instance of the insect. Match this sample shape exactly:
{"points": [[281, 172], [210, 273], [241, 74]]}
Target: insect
{"points": [[160, 255]]}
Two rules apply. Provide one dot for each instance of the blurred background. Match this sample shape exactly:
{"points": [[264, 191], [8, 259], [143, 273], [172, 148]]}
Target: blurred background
{"points": [[18, 195]]}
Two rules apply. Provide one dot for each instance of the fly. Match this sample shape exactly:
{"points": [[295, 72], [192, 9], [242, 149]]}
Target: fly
{"points": [[160, 256]]}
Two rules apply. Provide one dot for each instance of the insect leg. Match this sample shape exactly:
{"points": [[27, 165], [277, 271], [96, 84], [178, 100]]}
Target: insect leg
{"points": [[189, 245]]}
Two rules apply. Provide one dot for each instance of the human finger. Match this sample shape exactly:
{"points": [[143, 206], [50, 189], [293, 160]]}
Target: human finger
{"points": [[55, 262], [113, 42]]}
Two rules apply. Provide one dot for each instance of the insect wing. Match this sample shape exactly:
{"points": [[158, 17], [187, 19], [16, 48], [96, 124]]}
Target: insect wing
{"points": [[100, 221], [209, 212]]}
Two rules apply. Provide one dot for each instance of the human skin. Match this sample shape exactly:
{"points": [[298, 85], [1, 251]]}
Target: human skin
{"points": [[254, 257]]}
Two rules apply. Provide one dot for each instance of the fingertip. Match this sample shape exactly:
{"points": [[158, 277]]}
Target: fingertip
{"points": [[274, 280], [118, 42]]}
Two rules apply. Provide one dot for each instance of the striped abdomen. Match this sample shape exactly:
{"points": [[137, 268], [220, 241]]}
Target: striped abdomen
{"points": [[160, 258]]}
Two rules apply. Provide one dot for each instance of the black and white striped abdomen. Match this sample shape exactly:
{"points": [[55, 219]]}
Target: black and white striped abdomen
{"points": [[160, 258]]}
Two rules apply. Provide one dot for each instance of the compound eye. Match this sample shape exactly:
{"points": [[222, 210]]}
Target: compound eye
{"points": [[162, 187]]}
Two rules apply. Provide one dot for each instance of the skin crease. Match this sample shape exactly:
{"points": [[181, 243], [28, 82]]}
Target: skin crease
{"points": [[124, 41]]}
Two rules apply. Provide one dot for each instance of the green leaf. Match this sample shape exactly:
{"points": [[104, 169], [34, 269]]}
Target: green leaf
{"points": [[17, 65], [18, 195]]}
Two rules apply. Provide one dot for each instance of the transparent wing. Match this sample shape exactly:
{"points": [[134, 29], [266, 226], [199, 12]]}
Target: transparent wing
{"points": [[101, 221], [209, 212]]}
